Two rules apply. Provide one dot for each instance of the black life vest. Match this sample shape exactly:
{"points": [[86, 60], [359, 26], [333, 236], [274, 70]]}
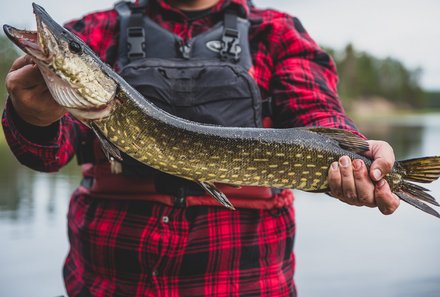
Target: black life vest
{"points": [[204, 79]]}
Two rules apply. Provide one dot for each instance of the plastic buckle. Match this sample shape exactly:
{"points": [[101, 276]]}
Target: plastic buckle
{"points": [[135, 43], [230, 45], [180, 198], [185, 49], [87, 182]]}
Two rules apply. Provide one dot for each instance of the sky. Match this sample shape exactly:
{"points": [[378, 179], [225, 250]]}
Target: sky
{"points": [[407, 30]]}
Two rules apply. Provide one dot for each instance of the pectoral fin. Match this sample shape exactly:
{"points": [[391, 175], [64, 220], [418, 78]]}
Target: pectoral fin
{"points": [[110, 150], [217, 194]]}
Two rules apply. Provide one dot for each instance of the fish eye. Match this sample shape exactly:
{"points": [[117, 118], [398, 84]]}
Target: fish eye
{"points": [[75, 47]]}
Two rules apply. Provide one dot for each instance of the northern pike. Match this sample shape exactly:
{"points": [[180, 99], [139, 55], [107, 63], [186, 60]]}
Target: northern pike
{"points": [[123, 120]]}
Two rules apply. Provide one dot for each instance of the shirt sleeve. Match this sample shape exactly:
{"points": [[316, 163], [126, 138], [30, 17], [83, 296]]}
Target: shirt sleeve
{"points": [[49, 148], [304, 85]]}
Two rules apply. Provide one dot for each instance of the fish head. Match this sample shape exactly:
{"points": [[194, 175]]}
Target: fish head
{"points": [[73, 73]]}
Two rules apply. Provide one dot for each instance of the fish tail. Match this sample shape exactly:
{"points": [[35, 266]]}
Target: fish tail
{"points": [[421, 170]]}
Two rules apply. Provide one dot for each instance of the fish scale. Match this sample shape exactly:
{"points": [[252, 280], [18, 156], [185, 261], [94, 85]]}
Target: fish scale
{"points": [[247, 161], [123, 120]]}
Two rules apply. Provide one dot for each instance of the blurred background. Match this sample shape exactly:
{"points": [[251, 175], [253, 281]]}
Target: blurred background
{"points": [[388, 57]]}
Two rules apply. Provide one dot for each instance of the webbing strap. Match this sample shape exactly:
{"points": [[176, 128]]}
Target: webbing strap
{"points": [[124, 13], [231, 48], [143, 3], [133, 37], [131, 18]]}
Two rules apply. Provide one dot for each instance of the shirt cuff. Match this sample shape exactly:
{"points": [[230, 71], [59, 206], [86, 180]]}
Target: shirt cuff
{"points": [[35, 134]]}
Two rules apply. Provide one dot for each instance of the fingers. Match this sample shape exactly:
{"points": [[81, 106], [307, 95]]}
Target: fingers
{"points": [[21, 62], [352, 182], [29, 94], [334, 180], [349, 182], [341, 181], [385, 199], [26, 77], [364, 185]]}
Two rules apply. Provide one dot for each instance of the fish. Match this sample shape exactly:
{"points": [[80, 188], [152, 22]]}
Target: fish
{"points": [[124, 121]]}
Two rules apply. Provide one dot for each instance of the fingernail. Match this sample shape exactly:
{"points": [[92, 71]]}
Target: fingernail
{"points": [[345, 161], [377, 174], [380, 183], [357, 164], [334, 165]]}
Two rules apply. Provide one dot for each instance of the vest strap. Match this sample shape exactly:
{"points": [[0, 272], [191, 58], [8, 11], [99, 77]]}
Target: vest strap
{"points": [[132, 34], [231, 48], [143, 3], [135, 36], [124, 12]]}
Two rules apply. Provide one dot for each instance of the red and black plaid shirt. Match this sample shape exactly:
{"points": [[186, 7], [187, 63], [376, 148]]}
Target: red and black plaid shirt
{"points": [[121, 248]]}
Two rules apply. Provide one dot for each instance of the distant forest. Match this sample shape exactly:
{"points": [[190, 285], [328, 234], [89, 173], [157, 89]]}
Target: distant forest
{"points": [[362, 76]]}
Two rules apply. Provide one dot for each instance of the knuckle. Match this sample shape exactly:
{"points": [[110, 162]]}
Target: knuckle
{"points": [[346, 201], [10, 83], [360, 174], [395, 203], [350, 195], [388, 210], [336, 194], [346, 173], [384, 165], [333, 179], [388, 203], [388, 165], [365, 199]]}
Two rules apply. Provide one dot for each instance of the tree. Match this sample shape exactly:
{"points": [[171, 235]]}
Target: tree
{"points": [[363, 75]]}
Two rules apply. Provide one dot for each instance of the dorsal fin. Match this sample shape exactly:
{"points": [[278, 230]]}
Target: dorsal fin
{"points": [[346, 139]]}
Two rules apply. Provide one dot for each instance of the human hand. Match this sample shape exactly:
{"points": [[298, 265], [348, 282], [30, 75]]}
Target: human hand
{"points": [[352, 183], [29, 94]]}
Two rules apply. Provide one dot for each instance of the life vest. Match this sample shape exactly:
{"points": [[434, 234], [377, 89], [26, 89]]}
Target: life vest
{"points": [[205, 79]]}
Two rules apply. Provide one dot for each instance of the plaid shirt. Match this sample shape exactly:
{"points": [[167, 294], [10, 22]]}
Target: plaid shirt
{"points": [[121, 248]]}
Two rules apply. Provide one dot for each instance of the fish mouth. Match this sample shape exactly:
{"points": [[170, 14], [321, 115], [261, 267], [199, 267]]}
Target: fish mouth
{"points": [[32, 42], [28, 41], [73, 76]]}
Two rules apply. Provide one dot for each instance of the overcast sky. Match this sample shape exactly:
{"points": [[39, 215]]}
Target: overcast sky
{"points": [[408, 30]]}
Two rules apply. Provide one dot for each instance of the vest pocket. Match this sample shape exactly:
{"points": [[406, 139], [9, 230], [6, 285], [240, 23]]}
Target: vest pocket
{"points": [[209, 92]]}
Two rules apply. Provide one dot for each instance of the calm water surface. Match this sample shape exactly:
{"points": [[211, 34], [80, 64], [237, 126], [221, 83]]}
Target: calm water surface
{"points": [[341, 250]]}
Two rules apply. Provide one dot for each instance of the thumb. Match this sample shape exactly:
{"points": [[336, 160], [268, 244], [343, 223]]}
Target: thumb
{"points": [[383, 159]]}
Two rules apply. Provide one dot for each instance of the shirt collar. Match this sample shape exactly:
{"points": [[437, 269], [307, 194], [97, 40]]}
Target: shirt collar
{"points": [[241, 5]]}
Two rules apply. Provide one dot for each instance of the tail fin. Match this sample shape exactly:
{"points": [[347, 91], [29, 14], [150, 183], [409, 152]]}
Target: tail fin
{"points": [[422, 170]]}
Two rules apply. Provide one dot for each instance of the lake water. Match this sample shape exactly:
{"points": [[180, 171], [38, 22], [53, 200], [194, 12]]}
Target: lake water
{"points": [[341, 250]]}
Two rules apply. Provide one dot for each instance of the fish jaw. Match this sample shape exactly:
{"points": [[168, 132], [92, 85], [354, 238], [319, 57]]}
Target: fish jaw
{"points": [[27, 41], [71, 71]]}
